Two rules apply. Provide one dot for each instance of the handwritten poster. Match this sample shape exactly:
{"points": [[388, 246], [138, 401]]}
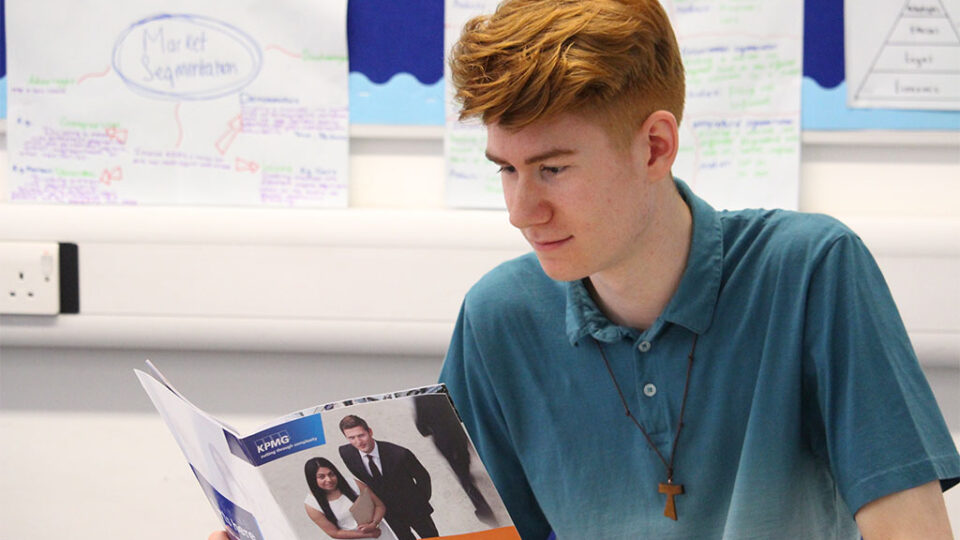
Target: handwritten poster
{"points": [[903, 54], [740, 134], [220, 102], [472, 181]]}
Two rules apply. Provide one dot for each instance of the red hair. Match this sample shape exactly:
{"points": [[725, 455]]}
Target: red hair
{"points": [[616, 60]]}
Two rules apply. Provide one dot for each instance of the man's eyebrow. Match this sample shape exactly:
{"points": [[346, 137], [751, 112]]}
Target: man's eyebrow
{"points": [[533, 159]]}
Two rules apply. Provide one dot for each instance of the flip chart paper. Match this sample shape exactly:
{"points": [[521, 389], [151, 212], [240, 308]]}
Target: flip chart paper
{"points": [[740, 134], [174, 102], [472, 181]]}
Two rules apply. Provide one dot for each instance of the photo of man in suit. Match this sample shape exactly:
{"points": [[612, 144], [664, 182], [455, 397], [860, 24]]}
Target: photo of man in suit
{"points": [[435, 418], [394, 474]]}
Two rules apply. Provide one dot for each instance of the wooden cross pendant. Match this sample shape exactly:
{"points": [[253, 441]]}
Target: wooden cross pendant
{"points": [[671, 489]]}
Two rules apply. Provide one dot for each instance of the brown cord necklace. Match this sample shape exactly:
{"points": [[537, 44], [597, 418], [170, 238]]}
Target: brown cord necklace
{"points": [[668, 488]]}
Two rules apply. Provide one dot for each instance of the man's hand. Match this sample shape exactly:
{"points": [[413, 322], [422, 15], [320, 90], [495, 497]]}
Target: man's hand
{"points": [[218, 535], [913, 513]]}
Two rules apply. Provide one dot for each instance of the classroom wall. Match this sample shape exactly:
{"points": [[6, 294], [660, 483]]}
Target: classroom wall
{"points": [[82, 454]]}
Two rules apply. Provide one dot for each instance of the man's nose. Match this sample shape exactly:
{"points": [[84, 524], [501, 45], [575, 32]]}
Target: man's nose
{"points": [[526, 202]]}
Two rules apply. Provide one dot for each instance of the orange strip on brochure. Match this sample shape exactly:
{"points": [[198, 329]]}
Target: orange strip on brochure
{"points": [[503, 533]]}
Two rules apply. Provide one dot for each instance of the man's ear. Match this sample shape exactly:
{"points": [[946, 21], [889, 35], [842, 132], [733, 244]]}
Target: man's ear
{"points": [[660, 136]]}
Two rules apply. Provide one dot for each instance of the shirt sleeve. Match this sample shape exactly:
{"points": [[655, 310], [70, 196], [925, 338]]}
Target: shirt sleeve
{"points": [[468, 381], [872, 414]]}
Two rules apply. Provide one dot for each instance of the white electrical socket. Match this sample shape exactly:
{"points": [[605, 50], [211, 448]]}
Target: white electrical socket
{"points": [[29, 278]]}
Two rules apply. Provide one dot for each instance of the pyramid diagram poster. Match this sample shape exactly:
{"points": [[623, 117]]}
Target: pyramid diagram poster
{"points": [[903, 54]]}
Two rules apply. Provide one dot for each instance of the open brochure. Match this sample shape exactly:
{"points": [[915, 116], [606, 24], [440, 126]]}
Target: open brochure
{"points": [[302, 475]]}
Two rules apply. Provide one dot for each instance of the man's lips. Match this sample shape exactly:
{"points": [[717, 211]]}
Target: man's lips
{"points": [[547, 245]]}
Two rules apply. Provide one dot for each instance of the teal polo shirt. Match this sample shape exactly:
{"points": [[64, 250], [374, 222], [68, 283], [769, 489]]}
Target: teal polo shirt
{"points": [[806, 400]]}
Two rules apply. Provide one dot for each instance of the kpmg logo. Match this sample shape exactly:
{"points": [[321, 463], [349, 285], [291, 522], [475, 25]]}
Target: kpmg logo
{"points": [[281, 440], [272, 441]]}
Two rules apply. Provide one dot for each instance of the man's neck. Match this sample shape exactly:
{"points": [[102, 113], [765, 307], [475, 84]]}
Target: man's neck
{"points": [[638, 292]]}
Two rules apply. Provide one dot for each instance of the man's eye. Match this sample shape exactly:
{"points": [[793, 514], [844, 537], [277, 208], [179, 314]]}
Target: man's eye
{"points": [[505, 168], [550, 170]]}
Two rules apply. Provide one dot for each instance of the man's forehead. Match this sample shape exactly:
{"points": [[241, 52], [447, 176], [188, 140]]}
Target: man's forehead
{"points": [[535, 142]]}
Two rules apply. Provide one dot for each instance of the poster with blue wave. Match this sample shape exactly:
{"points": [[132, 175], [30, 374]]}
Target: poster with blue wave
{"points": [[825, 88], [396, 62]]}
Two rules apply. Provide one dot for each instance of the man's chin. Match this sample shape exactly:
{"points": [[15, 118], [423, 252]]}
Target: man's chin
{"points": [[558, 271]]}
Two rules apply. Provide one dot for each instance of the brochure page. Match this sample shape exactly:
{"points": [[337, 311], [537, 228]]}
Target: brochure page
{"points": [[393, 466]]}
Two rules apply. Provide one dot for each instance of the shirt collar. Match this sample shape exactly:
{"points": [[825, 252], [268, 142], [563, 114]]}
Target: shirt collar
{"points": [[693, 304]]}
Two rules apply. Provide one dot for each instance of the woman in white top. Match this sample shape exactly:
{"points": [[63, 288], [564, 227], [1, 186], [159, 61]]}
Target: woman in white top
{"points": [[328, 503]]}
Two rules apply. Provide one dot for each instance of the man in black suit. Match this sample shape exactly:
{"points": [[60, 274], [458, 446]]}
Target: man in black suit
{"points": [[394, 474], [436, 418]]}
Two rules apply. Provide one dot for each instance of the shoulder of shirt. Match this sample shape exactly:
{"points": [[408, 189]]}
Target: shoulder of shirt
{"points": [[789, 234], [504, 276], [511, 283]]}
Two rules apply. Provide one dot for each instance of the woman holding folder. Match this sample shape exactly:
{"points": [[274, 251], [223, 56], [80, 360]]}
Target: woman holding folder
{"points": [[343, 508]]}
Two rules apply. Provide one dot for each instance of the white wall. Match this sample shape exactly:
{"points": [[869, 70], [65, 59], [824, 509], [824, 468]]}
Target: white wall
{"points": [[346, 303]]}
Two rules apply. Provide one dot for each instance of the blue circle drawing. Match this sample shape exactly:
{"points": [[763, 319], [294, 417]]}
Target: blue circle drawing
{"points": [[225, 77]]}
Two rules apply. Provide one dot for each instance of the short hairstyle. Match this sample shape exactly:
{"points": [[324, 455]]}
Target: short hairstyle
{"points": [[616, 60], [352, 421]]}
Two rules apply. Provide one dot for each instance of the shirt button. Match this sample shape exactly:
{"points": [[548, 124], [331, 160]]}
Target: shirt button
{"points": [[644, 346], [649, 390]]}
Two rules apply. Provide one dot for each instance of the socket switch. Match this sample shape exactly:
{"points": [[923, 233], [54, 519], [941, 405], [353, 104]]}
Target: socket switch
{"points": [[29, 278]]}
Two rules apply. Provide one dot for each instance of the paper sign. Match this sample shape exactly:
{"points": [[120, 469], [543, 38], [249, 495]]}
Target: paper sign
{"points": [[174, 102], [903, 54]]}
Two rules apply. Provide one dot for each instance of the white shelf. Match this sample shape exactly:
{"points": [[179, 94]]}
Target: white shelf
{"points": [[365, 131], [882, 138]]}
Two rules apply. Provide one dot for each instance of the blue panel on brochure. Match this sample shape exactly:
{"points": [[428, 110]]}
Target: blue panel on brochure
{"points": [[239, 523]]}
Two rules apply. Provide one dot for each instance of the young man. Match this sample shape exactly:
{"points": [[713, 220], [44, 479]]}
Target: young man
{"points": [[394, 474], [657, 369]]}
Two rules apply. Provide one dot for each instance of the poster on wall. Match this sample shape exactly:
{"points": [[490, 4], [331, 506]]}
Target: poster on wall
{"points": [[740, 134], [472, 181], [903, 54], [178, 103], [396, 62], [825, 106]]}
